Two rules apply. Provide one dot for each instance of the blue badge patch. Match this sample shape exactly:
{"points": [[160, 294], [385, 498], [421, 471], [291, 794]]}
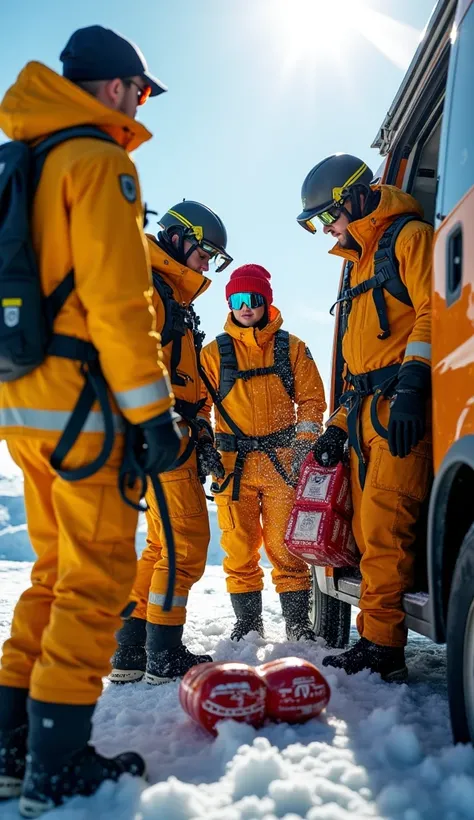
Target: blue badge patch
{"points": [[128, 186], [308, 353]]}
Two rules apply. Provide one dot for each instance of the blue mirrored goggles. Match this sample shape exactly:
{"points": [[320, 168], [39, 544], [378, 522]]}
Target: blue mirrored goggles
{"points": [[251, 300]]}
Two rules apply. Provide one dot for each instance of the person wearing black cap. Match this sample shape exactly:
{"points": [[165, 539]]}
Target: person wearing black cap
{"points": [[86, 218], [110, 67]]}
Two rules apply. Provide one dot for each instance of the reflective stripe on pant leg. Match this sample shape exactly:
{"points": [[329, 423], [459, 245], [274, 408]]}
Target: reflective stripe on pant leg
{"points": [[394, 491], [190, 521], [96, 570], [145, 569], [32, 611]]}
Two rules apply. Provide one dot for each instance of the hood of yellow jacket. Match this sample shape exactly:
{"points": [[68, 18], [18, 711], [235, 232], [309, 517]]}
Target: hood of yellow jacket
{"points": [[41, 101]]}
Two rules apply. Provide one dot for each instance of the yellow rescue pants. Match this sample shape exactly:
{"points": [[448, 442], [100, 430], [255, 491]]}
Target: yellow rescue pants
{"points": [[83, 534], [385, 513], [260, 516], [190, 521]]}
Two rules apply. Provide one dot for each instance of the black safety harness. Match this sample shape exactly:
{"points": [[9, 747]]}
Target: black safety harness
{"points": [[238, 441], [95, 387], [179, 319], [380, 382]]}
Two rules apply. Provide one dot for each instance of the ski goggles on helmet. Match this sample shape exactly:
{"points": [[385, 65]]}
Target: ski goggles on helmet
{"points": [[220, 258], [251, 300], [327, 217]]}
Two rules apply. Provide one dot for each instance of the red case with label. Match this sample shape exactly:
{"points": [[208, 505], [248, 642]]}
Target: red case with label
{"points": [[211, 692], [319, 529], [296, 690]]}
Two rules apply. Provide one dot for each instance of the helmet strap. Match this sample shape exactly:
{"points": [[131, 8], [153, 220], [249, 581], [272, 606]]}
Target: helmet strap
{"points": [[176, 250]]}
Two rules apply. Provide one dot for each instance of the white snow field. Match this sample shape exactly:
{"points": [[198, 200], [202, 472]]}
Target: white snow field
{"points": [[379, 750]]}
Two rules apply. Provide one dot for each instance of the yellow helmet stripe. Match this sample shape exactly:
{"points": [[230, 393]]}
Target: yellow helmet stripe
{"points": [[196, 229], [337, 192]]}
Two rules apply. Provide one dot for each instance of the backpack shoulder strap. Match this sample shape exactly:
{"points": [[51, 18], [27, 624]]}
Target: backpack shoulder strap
{"points": [[55, 301], [387, 274], [228, 364], [166, 295], [41, 151], [282, 361], [386, 253]]}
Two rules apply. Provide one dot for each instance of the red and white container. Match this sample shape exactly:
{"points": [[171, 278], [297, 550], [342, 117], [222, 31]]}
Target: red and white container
{"points": [[296, 690], [319, 529], [211, 692]]}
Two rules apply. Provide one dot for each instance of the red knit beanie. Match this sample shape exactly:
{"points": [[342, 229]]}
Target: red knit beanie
{"points": [[250, 279]]}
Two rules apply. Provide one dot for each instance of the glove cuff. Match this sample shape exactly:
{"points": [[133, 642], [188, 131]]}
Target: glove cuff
{"points": [[415, 376], [336, 433], [158, 421]]}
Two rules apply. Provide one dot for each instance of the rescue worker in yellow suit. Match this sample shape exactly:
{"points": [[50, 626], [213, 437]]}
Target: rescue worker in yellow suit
{"points": [[385, 342], [87, 218], [269, 405], [150, 642]]}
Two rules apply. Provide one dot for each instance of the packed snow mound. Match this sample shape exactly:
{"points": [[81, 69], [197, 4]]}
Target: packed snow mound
{"points": [[378, 751]]}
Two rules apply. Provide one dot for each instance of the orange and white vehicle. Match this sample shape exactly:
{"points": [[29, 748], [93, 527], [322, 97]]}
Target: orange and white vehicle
{"points": [[427, 142]]}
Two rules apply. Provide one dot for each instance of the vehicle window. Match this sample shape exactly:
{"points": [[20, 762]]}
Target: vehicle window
{"points": [[457, 153]]}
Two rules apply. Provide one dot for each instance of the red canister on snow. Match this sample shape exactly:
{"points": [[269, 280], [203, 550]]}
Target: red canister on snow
{"points": [[319, 529], [214, 691], [296, 690]]}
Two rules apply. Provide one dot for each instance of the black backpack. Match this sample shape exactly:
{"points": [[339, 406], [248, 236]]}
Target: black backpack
{"points": [[26, 316]]}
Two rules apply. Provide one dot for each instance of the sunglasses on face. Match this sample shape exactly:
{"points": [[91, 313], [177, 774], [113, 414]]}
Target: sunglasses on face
{"points": [[143, 91], [251, 300]]}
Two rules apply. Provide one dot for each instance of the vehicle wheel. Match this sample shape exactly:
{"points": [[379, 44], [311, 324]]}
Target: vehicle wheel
{"points": [[460, 644], [330, 618]]}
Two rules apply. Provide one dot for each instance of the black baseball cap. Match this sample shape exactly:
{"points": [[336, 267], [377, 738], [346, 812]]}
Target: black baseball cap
{"points": [[98, 53]]}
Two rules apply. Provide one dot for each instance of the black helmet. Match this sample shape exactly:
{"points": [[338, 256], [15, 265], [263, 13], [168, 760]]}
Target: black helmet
{"points": [[198, 224], [329, 184]]}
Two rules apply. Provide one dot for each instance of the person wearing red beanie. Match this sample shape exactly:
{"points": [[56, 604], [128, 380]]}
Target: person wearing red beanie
{"points": [[268, 405]]}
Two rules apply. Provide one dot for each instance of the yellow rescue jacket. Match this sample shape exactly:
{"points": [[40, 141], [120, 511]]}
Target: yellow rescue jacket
{"points": [[410, 326], [186, 285], [82, 219], [261, 405]]}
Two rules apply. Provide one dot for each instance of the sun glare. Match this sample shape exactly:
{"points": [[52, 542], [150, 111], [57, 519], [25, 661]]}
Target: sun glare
{"points": [[313, 31]]}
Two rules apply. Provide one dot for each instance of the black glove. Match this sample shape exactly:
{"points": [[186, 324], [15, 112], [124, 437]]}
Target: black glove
{"points": [[301, 449], [329, 448], [204, 430], [209, 460], [407, 421], [162, 439]]}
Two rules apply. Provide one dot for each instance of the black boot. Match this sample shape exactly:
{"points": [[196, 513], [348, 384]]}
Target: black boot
{"points": [[248, 610], [388, 661], [12, 761], [129, 659], [60, 763], [13, 737], [167, 657], [295, 609]]}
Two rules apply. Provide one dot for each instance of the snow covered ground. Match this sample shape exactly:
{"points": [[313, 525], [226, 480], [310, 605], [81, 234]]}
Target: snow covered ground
{"points": [[379, 751]]}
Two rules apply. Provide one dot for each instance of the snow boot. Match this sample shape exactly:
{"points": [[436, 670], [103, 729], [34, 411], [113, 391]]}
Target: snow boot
{"points": [[295, 609], [13, 737], [46, 787], [12, 761], [129, 659], [167, 657], [247, 607], [61, 764], [388, 661]]}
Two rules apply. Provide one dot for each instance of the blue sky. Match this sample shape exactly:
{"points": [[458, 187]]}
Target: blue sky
{"points": [[259, 92]]}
